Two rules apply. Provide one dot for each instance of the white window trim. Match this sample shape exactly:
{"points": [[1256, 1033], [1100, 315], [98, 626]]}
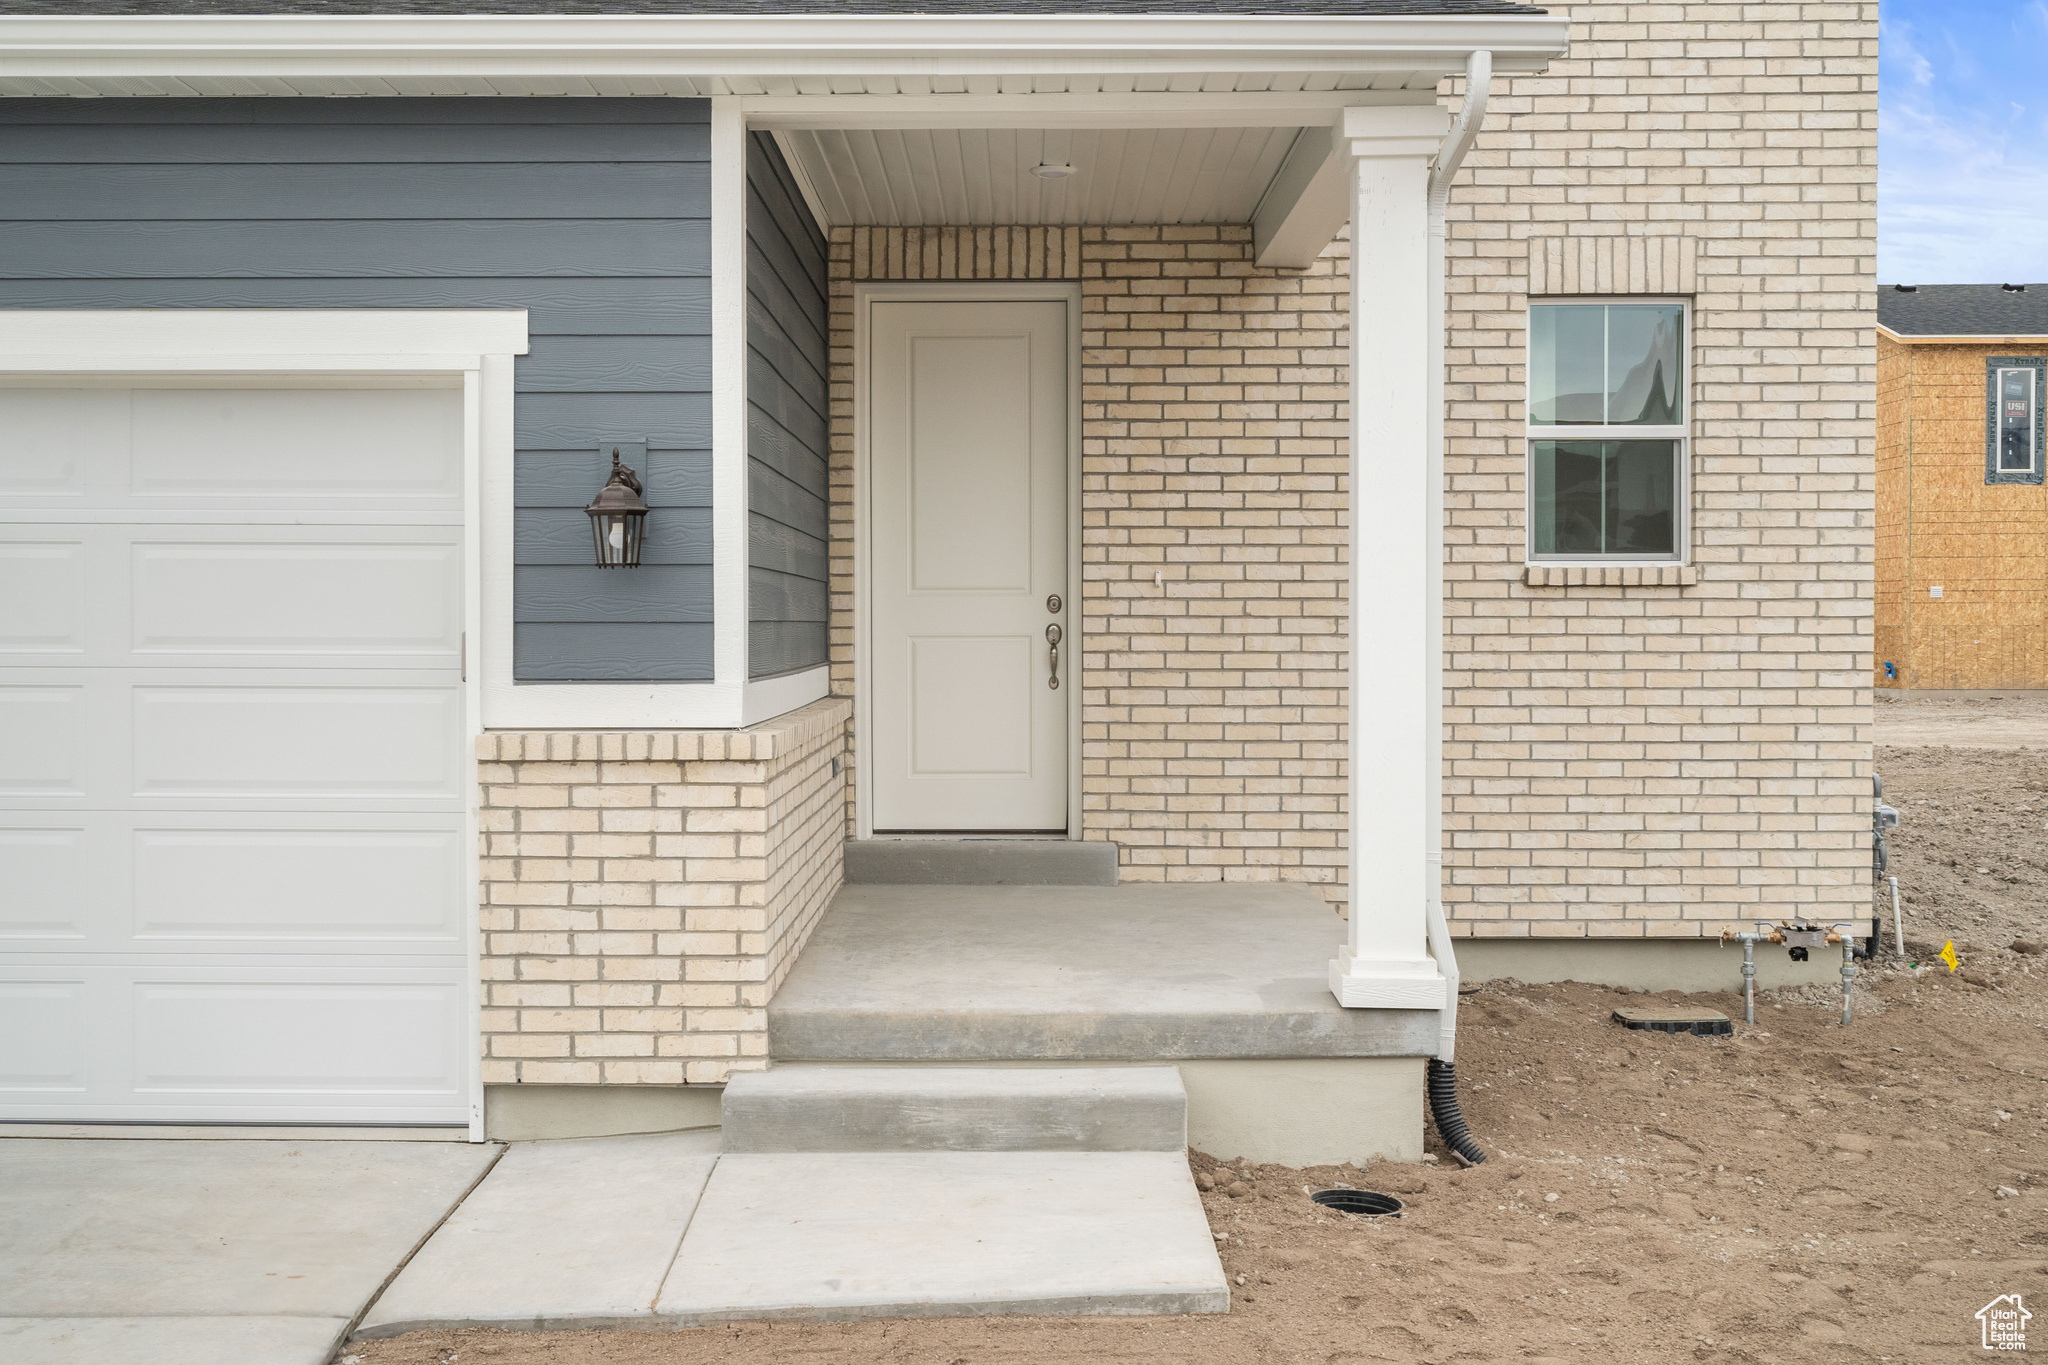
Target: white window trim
{"points": [[1533, 432], [459, 348]]}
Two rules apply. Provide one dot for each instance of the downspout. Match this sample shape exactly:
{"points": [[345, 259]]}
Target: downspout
{"points": [[1442, 1077]]}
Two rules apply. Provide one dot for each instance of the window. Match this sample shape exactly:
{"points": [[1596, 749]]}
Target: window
{"points": [[1607, 431], [2013, 429]]}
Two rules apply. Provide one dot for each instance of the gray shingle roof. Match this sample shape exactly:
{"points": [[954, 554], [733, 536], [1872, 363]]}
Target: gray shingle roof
{"points": [[1417, 8], [1947, 310]]}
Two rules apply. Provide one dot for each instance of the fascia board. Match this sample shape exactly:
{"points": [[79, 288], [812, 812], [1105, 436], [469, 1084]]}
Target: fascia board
{"points": [[1964, 338], [85, 46]]}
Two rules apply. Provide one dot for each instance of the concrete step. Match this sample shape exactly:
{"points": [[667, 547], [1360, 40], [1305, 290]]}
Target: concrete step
{"points": [[981, 862], [956, 1109], [830, 1236]]}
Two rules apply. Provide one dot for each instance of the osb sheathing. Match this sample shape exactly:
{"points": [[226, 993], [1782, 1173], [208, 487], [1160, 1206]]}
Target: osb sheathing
{"points": [[1940, 524]]}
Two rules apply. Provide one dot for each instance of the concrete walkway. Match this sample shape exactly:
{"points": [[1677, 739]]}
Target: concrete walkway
{"points": [[666, 1232], [206, 1252]]}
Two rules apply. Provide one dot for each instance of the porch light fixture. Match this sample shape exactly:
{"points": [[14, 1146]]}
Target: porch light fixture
{"points": [[1050, 170], [617, 515]]}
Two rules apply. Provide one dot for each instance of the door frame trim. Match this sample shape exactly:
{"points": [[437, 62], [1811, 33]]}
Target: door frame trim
{"points": [[865, 295]]}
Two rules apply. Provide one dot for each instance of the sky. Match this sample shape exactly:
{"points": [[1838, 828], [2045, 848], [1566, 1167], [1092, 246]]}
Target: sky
{"points": [[1962, 162]]}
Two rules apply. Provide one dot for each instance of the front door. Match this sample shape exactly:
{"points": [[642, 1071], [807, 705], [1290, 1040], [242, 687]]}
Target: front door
{"points": [[972, 650]]}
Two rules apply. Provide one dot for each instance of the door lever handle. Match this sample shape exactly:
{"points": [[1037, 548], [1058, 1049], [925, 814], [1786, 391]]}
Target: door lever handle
{"points": [[1053, 637]]}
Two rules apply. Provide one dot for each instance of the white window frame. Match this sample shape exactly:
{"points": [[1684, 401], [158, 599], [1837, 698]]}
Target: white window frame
{"points": [[1681, 434], [1996, 471]]}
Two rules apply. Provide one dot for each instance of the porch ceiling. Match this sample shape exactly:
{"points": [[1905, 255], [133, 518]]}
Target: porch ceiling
{"points": [[929, 177]]}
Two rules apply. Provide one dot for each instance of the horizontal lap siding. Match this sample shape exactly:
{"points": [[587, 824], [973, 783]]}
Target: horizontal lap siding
{"points": [[788, 599], [593, 215]]}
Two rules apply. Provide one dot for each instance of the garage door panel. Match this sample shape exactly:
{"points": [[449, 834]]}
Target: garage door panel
{"points": [[301, 1040], [300, 600], [244, 596], [271, 889], [45, 1025], [42, 588], [232, 882], [51, 889], [227, 446], [59, 445], [297, 1037], [45, 755], [249, 742]]}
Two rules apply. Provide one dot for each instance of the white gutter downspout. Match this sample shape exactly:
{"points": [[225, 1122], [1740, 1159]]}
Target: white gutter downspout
{"points": [[1478, 81]]}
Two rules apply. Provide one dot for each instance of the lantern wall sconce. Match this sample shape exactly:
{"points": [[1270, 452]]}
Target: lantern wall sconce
{"points": [[618, 518]]}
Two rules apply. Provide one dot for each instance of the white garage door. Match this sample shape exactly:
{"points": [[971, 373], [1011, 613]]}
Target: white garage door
{"points": [[233, 777]]}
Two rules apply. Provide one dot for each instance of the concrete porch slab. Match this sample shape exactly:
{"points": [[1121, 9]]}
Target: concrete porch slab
{"points": [[562, 1234], [222, 1250], [833, 1236], [1078, 973]]}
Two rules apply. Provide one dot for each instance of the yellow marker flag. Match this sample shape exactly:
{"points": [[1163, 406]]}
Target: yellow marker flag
{"points": [[1948, 955]]}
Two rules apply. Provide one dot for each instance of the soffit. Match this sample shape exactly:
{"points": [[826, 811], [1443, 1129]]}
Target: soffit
{"points": [[930, 177]]}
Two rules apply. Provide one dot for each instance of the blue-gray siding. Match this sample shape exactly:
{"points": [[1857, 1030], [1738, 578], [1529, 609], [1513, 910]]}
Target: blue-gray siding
{"points": [[592, 214], [789, 492]]}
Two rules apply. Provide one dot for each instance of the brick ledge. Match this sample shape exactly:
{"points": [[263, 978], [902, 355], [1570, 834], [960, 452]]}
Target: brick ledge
{"points": [[1610, 576], [769, 739]]}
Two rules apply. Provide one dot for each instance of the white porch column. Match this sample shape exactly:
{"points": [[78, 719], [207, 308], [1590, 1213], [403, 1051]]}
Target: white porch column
{"points": [[1396, 608]]}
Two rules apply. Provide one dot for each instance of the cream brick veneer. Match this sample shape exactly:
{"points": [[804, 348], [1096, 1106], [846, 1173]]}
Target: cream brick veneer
{"points": [[1626, 760], [1627, 754], [645, 893]]}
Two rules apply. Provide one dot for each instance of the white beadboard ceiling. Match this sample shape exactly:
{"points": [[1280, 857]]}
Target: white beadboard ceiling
{"points": [[934, 177]]}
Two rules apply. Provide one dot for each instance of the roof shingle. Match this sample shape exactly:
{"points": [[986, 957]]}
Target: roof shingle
{"points": [[1950, 310]]}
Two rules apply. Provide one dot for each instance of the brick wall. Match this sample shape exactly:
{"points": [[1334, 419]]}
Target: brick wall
{"points": [[645, 893], [1624, 758], [1658, 760], [1211, 618]]}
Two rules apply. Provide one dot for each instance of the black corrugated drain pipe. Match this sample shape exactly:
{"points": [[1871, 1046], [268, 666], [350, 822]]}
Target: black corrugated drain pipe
{"points": [[1443, 1107]]}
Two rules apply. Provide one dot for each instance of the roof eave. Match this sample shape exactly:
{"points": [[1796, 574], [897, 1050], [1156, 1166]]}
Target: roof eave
{"points": [[88, 46], [1964, 338]]}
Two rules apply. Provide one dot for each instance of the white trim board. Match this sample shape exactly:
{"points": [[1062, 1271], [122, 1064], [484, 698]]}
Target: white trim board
{"points": [[864, 295], [472, 347], [1139, 109]]}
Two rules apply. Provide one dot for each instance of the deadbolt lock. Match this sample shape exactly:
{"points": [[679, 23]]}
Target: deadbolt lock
{"points": [[1053, 603]]}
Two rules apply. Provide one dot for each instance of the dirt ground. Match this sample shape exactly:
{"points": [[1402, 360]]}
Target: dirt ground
{"points": [[1801, 1192]]}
